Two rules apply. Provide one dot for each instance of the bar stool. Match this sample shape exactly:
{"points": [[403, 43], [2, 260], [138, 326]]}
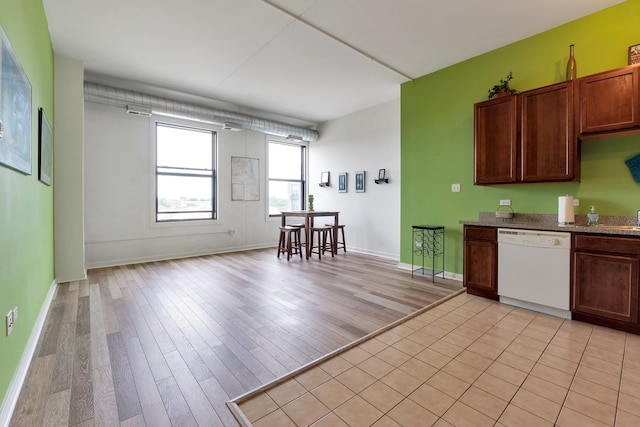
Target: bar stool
{"points": [[322, 233], [302, 232], [339, 244], [289, 241]]}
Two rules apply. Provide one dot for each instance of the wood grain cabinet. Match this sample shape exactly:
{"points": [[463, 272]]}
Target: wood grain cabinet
{"points": [[528, 137], [606, 280], [496, 141], [609, 101], [481, 261], [549, 146]]}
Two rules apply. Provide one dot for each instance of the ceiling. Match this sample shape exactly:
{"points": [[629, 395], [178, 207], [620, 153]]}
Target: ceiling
{"points": [[306, 61]]}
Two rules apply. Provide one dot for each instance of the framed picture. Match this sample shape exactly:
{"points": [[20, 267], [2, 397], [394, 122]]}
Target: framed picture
{"points": [[342, 182], [15, 110], [634, 54], [360, 182], [245, 179], [45, 148]]}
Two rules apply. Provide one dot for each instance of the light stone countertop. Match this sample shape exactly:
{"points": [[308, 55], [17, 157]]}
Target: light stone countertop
{"points": [[549, 222]]}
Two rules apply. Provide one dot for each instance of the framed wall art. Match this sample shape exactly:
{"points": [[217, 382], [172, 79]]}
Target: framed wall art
{"points": [[15, 110], [360, 182], [342, 182], [45, 148], [634, 54], [245, 179]]}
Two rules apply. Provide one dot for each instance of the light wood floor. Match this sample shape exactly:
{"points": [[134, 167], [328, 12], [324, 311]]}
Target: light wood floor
{"points": [[168, 343]]}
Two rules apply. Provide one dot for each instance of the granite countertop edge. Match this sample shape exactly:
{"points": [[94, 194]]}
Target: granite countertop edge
{"points": [[549, 222]]}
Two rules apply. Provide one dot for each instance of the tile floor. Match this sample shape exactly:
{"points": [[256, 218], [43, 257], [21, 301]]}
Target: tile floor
{"points": [[466, 362]]}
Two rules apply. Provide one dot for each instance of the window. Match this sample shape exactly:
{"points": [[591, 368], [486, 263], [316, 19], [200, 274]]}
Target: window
{"points": [[287, 170], [185, 173]]}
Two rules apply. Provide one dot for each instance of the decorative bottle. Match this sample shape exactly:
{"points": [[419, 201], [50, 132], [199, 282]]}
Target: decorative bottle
{"points": [[310, 207], [572, 68], [592, 217]]}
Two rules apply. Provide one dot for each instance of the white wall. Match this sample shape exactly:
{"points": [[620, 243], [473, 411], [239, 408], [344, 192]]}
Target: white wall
{"points": [[118, 191], [367, 140], [68, 170], [118, 188]]}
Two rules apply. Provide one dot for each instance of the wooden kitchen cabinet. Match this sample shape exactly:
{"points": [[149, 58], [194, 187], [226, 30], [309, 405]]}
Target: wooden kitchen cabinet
{"points": [[496, 140], [606, 280], [528, 137], [481, 261], [549, 146], [609, 101]]}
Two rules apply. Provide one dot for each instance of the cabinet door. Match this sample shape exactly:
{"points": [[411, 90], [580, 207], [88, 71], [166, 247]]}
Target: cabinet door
{"points": [[549, 144], [606, 286], [480, 268], [609, 101], [495, 145]]}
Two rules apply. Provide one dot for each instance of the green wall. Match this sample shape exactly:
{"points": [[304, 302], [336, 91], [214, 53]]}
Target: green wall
{"points": [[437, 131], [26, 205]]}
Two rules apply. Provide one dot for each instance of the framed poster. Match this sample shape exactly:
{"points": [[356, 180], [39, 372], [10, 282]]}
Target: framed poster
{"points": [[360, 182], [245, 179], [342, 182], [15, 111], [45, 148]]}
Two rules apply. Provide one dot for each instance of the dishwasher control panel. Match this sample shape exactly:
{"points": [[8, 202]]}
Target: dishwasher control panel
{"points": [[534, 238]]}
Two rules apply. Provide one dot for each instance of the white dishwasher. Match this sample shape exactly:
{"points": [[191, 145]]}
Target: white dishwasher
{"points": [[534, 270]]}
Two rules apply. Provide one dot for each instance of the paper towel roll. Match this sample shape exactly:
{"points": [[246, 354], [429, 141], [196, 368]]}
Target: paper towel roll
{"points": [[565, 210]]}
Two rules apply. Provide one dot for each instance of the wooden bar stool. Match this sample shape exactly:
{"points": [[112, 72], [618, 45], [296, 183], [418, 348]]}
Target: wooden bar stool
{"points": [[339, 244], [302, 232], [322, 233], [289, 241]]}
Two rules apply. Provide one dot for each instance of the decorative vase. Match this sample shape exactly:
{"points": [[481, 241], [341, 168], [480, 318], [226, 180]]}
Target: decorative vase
{"points": [[572, 68], [310, 202]]}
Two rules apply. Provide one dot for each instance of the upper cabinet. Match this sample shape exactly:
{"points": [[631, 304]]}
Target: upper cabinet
{"points": [[548, 140], [496, 140], [533, 136], [529, 137], [609, 101]]}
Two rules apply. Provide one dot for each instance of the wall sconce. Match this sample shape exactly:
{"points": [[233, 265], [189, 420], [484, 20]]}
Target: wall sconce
{"points": [[382, 177], [324, 179]]}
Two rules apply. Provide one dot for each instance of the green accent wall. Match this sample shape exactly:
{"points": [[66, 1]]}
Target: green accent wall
{"points": [[26, 205], [437, 131]]}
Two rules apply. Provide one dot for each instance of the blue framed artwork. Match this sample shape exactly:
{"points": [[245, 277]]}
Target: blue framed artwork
{"points": [[342, 182], [15, 111], [360, 182]]}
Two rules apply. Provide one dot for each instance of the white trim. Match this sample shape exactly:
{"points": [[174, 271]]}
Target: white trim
{"points": [[447, 274], [11, 398]]}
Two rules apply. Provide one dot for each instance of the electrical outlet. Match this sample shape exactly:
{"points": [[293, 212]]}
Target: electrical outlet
{"points": [[10, 320], [15, 313], [506, 202], [455, 188], [576, 202]]}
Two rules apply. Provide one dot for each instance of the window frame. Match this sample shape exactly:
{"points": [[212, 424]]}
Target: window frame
{"points": [[304, 162], [197, 126]]}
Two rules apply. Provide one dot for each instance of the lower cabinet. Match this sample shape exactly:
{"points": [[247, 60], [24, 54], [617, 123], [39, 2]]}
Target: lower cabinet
{"points": [[606, 281], [481, 261]]}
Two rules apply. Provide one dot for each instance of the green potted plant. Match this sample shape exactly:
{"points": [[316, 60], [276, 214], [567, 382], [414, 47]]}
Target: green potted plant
{"points": [[503, 88]]}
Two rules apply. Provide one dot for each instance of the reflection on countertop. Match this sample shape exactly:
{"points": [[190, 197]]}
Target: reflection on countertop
{"points": [[618, 225]]}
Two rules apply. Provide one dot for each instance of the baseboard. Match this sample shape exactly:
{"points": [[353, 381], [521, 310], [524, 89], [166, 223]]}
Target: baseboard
{"points": [[10, 400], [167, 257], [447, 274]]}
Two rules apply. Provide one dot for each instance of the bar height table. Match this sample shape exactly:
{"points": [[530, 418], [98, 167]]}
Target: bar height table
{"points": [[308, 223], [428, 241]]}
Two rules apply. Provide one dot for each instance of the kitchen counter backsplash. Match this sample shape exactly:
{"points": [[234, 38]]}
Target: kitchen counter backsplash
{"points": [[550, 222]]}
